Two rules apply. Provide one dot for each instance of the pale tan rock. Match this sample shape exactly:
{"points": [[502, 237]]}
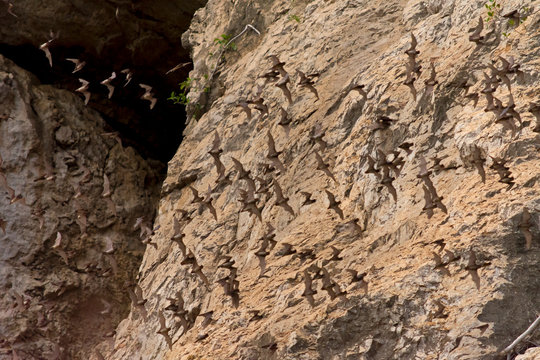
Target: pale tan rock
{"points": [[350, 42], [530, 354]]}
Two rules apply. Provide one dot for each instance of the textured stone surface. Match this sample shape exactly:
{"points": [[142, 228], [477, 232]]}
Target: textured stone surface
{"points": [[530, 354], [351, 42], [46, 132], [348, 42], [398, 316]]}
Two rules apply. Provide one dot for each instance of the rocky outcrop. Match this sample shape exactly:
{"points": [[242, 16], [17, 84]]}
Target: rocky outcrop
{"points": [[406, 260], [62, 285], [408, 305]]}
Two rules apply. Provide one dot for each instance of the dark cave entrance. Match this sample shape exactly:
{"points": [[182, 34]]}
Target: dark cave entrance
{"points": [[155, 133]]}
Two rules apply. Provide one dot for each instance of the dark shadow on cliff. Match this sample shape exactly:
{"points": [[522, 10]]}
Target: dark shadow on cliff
{"points": [[155, 133], [517, 307]]}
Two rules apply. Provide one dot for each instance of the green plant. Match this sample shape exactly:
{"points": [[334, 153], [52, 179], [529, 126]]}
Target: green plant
{"points": [[186, 84], [294, 17], [492, 7], [521, 17], [223, 41], [181, 96]]}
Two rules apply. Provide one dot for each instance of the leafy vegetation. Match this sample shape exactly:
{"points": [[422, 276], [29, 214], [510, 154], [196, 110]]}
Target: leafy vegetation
{"points": [[193, 84], [223, 41], [493, 8], [181, 96], [493, 13], [295, 18]]}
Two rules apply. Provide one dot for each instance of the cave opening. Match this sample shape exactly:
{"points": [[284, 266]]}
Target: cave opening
{"points": [[155, 133]]}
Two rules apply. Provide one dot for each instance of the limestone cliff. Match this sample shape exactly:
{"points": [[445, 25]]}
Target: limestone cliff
{"points": [[409, 305], [441, 264]]}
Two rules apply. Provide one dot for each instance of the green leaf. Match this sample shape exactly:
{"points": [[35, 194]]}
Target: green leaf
{"points": [[295, 18]]}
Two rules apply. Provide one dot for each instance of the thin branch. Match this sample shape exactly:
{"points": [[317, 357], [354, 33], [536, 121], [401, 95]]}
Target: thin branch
{"points": [[522, 336], [248, 26]]}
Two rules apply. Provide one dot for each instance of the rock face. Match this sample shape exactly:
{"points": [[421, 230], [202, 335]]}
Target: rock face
{"points": [[470, 306], [61, 293], [445, 267]]}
